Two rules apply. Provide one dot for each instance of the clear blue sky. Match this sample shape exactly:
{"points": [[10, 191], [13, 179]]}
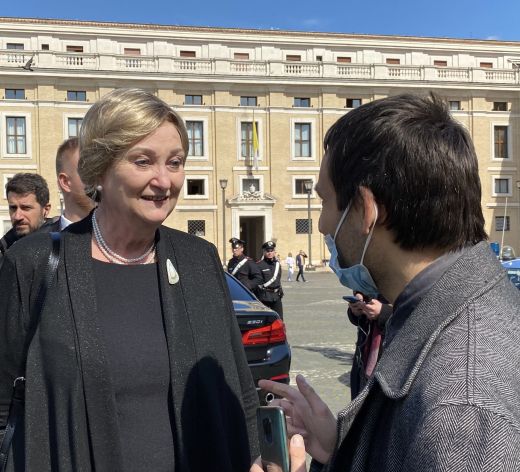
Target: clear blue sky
{"points": [[481, 19]]}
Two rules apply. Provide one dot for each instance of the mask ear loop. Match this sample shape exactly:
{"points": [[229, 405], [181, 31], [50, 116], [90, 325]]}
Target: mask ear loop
{"points": [[342, 219], [369, 235]]}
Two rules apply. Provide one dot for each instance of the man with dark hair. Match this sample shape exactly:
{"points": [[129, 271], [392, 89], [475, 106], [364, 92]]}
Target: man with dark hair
{"points": [[77, 205], [402, 217], [242, 267], [28, 199]]}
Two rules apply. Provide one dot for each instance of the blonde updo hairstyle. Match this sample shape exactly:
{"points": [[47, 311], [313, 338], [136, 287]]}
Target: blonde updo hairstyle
{"points": [[114, 124]]}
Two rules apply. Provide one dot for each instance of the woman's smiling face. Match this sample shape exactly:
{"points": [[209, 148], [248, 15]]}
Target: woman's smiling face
{"points": [[144, 186]]}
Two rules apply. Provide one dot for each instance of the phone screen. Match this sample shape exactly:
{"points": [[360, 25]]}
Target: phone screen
{"points": [[272, 434]]}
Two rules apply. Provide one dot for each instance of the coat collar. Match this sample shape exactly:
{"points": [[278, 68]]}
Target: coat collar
{"points": [[412, 338]]}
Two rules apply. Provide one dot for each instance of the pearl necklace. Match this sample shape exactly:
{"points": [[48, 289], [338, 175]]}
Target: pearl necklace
{"points": [[111, 255]]}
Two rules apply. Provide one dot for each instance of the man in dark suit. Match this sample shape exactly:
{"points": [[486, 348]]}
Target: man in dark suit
{"points": [[402, 217], [77, 205], [242, 267], [29, 206]]}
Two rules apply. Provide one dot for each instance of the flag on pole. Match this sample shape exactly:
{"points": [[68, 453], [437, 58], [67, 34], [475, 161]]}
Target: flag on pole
{"points": [[255, 144]]}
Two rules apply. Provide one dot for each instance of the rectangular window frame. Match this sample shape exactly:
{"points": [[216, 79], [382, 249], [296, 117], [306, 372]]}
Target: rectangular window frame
{"points": [[302, 196], [248, 100], [500, 106], [313, 139], [454, 105], [301, 102], [503, 219], [76, 95], [302, 220], [194, 140], [205, 178], [509, 179], [344, 60], [259, 131], [16, 94], [28, 135], [75, 120], [200, 234], [190, 100], [242, 178], [15, 46], [508, 144], [352, 103]]}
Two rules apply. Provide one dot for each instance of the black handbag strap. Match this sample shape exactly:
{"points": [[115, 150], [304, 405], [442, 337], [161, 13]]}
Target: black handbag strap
{"points": [[17, 403]]}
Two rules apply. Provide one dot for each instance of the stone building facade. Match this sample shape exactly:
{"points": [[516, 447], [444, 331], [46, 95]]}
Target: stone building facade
{"points": [[292, 85]]}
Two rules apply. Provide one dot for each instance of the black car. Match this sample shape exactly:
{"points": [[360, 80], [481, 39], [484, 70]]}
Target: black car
{"points": [[263, 336]]}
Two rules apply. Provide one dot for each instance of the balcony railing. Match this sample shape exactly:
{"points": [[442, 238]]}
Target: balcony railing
{"points": [[221, 66]]}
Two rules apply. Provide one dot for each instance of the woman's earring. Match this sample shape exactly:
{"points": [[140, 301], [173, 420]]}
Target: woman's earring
{"points": [[99, 188]]}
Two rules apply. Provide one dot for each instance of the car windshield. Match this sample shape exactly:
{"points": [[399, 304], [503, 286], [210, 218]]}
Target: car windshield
{"points": [[237, 290], [514, 276]]}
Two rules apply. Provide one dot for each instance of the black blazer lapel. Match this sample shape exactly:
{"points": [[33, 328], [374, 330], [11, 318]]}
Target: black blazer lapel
{"points": [[97, 384]]}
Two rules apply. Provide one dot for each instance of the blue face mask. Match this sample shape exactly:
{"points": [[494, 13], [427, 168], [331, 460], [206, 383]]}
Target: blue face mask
{"points": [[357, 277]]}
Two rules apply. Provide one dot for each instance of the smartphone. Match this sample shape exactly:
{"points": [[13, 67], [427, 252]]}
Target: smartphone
{"points": [[272, 434], [351, 299]]}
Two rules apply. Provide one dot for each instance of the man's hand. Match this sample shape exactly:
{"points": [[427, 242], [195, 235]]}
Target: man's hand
{"points": [[372, 309], [297, 456], [306, 414]]}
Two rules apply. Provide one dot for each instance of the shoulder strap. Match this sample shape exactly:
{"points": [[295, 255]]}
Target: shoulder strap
{"points": [[273, 278], [17, 401]]}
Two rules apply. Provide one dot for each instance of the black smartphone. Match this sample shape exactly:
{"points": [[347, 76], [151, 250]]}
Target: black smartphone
{"points": [[272, 434], [351, 299]]}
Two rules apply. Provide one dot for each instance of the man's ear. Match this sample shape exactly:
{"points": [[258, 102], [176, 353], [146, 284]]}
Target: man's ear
{"points": [[46, 210], [64, 182], [368, 204]]}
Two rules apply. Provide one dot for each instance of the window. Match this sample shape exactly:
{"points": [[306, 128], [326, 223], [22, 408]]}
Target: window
{"points": [[132, 51], [299, 186], [16, 135], [45, 47], [440, 63], [14, 46], [248, 101], [192, 99], [302, 140], [241, 56], [187, 54], [196, 187], [499, 106], [293, 57], [302, 226], [319, 58], [74, 48], [486, 65], [344, 59], [501, 186], [250, 185], [455, 105], [501, 223], [73, 126], [76, 96], [246, 138], [302, 102], [197, 227], [501, 144], [196, 137], [353, 102], [15, 94], [393, 61]]}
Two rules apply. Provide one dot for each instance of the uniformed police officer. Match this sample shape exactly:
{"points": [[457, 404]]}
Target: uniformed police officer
{"points": [[270, 292], [242, 267]]}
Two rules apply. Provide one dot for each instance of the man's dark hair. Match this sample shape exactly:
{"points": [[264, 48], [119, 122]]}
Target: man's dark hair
{"points": [[29, 183], [419, 163], [66, 146]]}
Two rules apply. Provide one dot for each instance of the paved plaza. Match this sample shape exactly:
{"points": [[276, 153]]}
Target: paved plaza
{"points": [[321, 337]]}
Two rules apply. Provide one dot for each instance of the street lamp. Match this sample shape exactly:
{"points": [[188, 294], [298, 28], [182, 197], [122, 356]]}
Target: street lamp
{"points": [[223, 185], [308, 184]]}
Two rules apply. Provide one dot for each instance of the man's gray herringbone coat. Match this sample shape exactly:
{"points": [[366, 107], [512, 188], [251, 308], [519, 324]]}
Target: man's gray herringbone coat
{"points": [[446, 392]]}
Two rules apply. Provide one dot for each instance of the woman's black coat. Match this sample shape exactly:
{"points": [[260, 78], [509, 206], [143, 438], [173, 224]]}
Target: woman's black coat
{"points": [[70, 415]]}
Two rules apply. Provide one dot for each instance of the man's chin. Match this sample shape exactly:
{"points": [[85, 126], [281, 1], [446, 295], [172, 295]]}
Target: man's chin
{"points": [[21, 231]]}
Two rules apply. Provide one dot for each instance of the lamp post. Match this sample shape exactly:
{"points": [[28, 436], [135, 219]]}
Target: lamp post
{"points": [[308, 184], [223, 185]]}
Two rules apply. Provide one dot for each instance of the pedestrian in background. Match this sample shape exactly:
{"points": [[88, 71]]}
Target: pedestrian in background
{"points": [[300, 263], [289, 261]]}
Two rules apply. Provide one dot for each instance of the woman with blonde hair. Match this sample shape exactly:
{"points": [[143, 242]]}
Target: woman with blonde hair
{"points": [[129, 367]]}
